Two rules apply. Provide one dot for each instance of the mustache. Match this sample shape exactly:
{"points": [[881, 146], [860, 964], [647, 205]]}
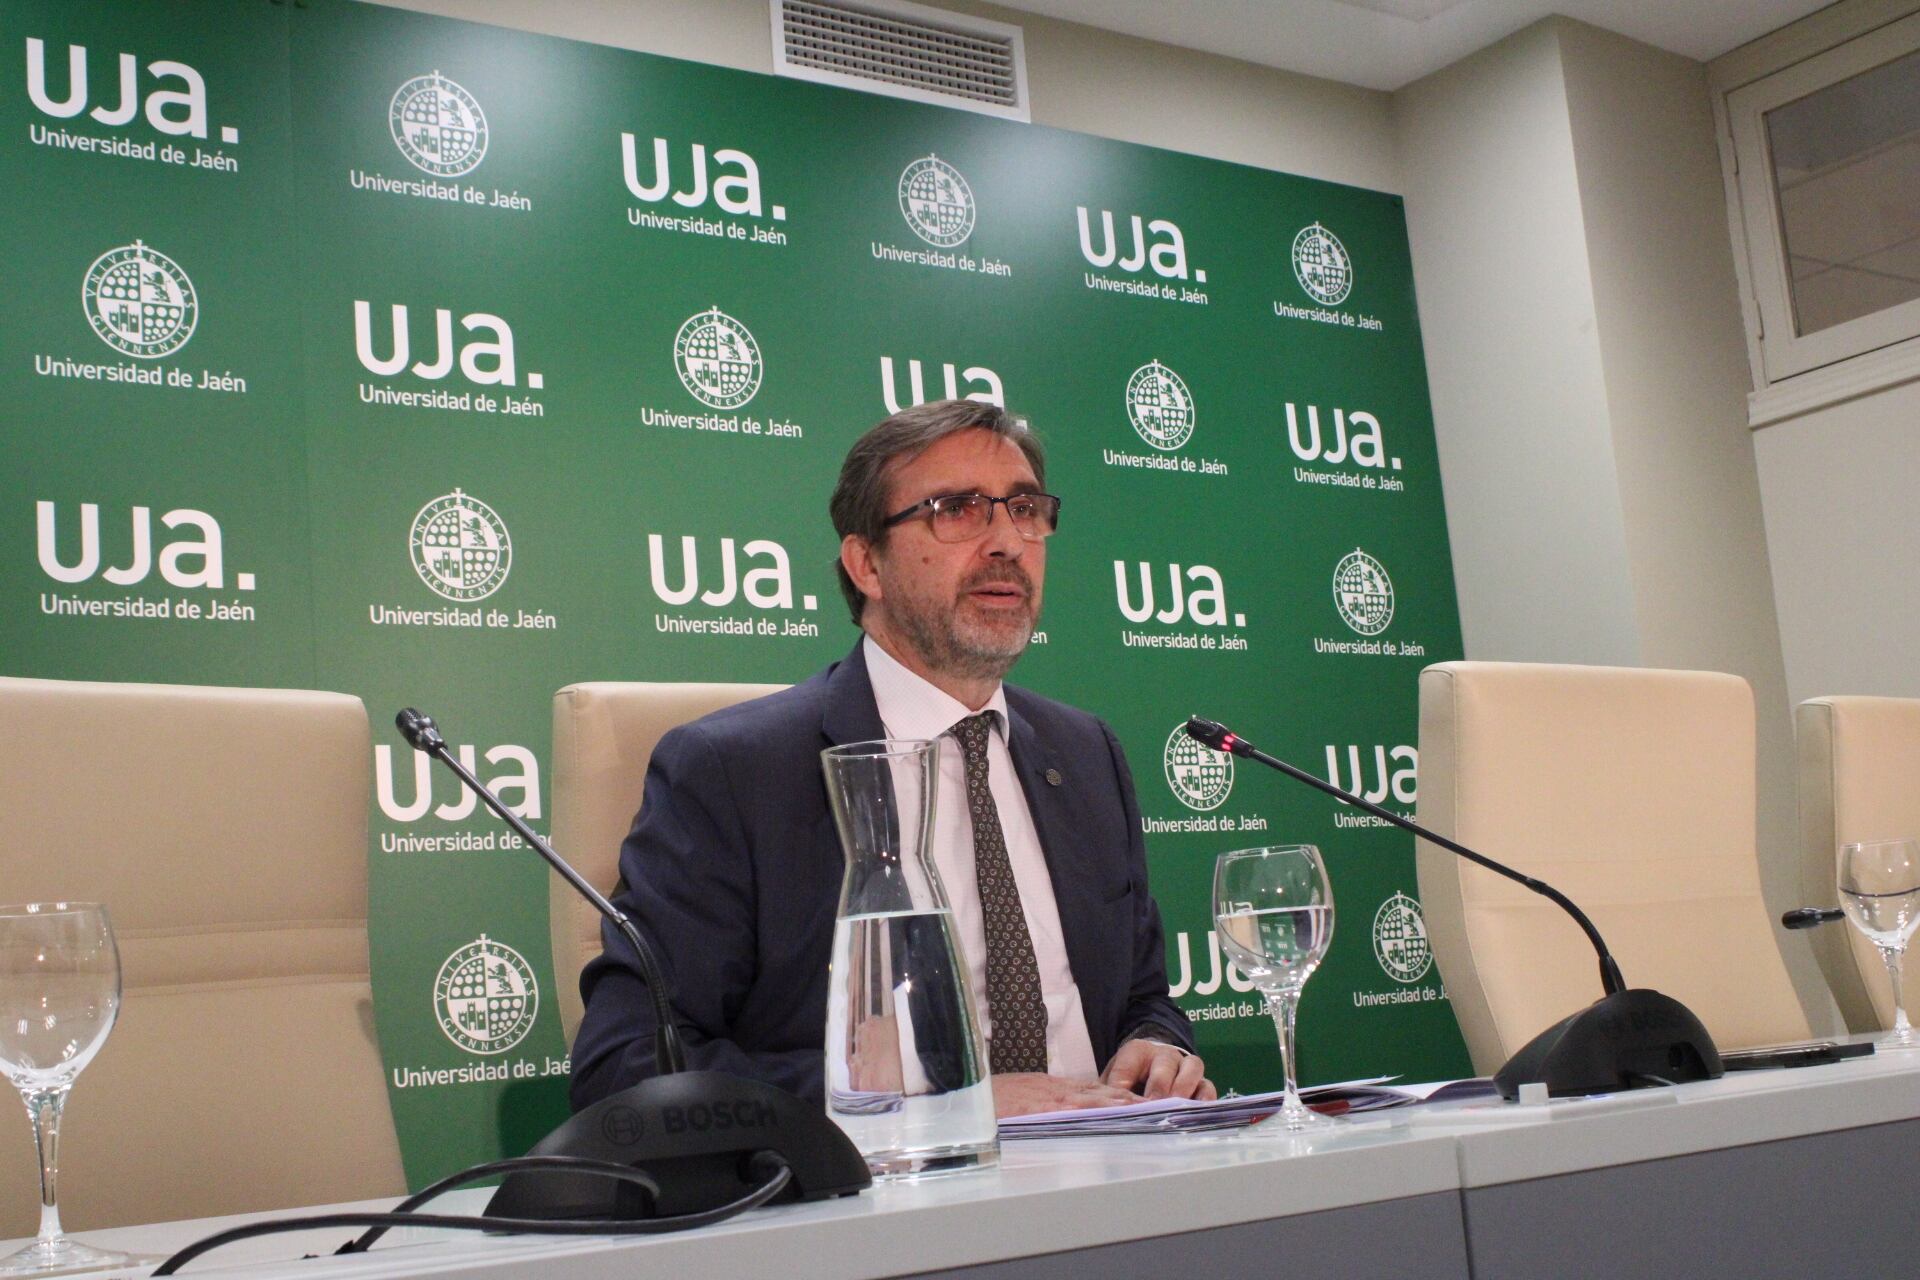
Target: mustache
{"points": [[998, 574]]}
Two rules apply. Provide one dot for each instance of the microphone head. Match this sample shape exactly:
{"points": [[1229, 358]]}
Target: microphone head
{"points": [[418, 728], [1808, 917], [1209, 733]]}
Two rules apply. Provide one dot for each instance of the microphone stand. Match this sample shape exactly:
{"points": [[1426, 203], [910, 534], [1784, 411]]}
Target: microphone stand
{"points": [[707, 1136], [423, 735], [1628, 1039]]}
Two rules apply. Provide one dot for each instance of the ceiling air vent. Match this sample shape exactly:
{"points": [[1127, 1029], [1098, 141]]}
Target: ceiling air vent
{"points": [[904, 51]]}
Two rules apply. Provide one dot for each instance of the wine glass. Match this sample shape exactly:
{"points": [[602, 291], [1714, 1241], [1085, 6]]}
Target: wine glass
{"points": [[1880, 891], [59, 995], [1274, 911]]}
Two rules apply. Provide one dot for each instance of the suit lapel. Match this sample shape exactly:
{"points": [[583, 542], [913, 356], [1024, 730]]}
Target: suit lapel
{"points": [[851, 715]]}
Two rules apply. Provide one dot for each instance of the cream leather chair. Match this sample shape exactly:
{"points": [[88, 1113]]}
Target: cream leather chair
{"points": [[603, 736], [226, 830], [1633, 793], [1859, 780]]}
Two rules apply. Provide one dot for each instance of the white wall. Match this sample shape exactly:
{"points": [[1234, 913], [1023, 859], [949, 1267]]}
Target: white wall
{"points": [[1080, 78], [1584, 341], [1839, 484], [1674, 351], [1513, 359], [1841, 489]]}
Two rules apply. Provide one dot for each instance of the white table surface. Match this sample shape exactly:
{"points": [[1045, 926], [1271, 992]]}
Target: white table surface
{"points": [[1742, 1108], [1046, 1195], [1062, 1194]]}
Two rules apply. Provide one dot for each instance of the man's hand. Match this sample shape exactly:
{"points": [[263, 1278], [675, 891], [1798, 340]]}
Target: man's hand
{"points": [[874, 1065], [1155, 1070], [1021, 1093]]}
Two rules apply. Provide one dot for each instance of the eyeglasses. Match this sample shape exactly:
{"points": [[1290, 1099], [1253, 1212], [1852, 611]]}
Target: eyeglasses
{"points": [[961, 517]]}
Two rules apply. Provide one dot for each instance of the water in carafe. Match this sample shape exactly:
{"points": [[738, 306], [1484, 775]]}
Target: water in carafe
{"points": [[906, 1066]]}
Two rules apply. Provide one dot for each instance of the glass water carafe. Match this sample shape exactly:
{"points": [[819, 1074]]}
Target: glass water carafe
{"points": [[907, 1075]]}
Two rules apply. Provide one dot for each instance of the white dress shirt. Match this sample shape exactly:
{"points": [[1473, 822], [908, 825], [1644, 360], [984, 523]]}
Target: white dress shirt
{"points": [[911, 707]]}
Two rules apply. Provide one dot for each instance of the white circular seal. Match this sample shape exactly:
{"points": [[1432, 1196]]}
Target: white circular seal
{"points": [[1321, 265], [1400, 939], [717, 359], [460, 547], [485, 997], [1160, 406], [1363, 593], [438, 126], [1200, 777], [140, 302], [936, 202]]}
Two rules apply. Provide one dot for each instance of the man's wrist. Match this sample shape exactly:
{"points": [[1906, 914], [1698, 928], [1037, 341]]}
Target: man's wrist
{"points": [[1159, 1035]]}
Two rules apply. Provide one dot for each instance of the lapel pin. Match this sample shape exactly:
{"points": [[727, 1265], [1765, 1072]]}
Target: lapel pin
{"points": [[1053, 777]]}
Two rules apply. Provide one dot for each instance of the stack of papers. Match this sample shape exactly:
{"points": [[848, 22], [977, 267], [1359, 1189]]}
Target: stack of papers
{"points": [[1184, 1115]]}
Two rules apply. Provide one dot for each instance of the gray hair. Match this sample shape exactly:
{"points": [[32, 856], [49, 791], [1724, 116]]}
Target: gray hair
{"points": [[859, 503]]}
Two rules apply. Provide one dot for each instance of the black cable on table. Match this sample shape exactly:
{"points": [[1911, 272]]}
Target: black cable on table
{"points": [[776, 1183], [475, 1173]]}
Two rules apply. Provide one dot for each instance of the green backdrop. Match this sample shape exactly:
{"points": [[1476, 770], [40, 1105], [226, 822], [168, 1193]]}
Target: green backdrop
{"points": [[356, 349]]}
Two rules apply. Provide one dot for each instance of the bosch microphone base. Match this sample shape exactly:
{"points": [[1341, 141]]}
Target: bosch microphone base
{"points": [[1628, 1040], [698, 1133]]}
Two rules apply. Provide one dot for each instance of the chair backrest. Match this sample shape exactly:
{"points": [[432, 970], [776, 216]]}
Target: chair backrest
{"points": [[1859, 780], [603, 736], [226, 830], [1632, 792]]}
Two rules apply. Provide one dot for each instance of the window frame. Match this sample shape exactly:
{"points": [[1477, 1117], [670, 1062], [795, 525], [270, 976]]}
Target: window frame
{"points": [[1793, 373]]}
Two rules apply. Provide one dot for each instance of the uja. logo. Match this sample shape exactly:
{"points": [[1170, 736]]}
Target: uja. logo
{"points": [[184, 561], [140, 302], [1220, 969], [717, 359], [1400, 939], [737, 192], [438, 126], [179, 112], [983, 385], [460, 547], [765, 586], [484, 325], [485, 997], [1167, 257], [1321, 265], [1160, 407], [1199, 777], [1403, 784], [936, 202], [1365, 447], [1363, 593], [514, 770], [1200, 596]]}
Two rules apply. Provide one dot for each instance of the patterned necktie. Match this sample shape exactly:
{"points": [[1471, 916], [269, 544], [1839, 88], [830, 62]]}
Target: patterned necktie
{"points": [[1014, 1004]]}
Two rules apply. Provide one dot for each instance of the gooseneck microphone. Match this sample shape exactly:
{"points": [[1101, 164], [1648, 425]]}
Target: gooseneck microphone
{"points": [[1220, 738], [1628, 1039], [712, 1141], [423, 735]]}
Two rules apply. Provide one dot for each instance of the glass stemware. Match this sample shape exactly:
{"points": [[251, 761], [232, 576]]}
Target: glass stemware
{"points": [[1879, 882], [59, 996], [1274, 911]]}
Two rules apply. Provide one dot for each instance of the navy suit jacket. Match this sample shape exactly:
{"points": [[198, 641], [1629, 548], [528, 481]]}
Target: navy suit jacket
{"points": [[733, 871]]}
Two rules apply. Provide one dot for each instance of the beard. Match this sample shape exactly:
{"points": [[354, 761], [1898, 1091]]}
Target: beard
{"points": [[957, 636]]}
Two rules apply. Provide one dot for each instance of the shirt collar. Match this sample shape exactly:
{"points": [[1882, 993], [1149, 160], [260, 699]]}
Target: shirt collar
{"points": [[913, 707]]}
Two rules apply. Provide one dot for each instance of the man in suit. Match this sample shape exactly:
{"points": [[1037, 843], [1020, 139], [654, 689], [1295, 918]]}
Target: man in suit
{"points": [[733, 866]]}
